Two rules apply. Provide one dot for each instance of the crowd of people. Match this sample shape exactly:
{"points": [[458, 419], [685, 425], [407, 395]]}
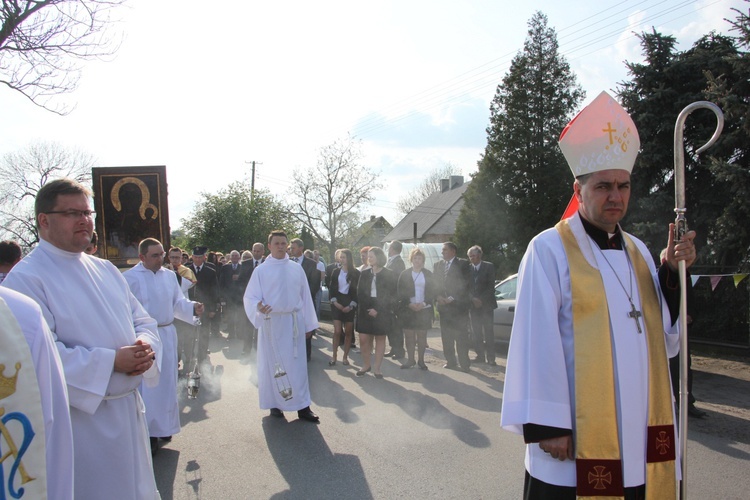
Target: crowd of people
{"points": [[587, 382]]}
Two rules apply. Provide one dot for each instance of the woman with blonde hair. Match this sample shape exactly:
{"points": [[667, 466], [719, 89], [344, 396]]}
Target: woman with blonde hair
{"points": [[376, 292], [416, 291]]}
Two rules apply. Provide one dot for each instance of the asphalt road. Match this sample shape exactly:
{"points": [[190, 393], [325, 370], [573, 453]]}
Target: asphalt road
{"points": [[414, 434]]}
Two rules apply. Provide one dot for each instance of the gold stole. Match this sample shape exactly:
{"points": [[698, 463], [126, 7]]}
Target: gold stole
{"points": [[598, 461]]}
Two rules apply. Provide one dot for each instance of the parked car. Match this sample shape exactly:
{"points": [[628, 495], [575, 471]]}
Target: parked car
{"points": [[505, 294], [325, 303]]}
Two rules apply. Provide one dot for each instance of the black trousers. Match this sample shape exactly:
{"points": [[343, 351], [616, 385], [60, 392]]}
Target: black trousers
{"points": [[483, 333], [195, 335], [674, 371], [455, 336], [396, 337]]}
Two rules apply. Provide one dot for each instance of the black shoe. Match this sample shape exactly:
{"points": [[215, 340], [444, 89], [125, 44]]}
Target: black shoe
{"points": [[361, 373], [167, 439], [423, 366], [307, 414], [408, 365], [379, 375], [695, 412], [389, 354], [450, 366], [275, 412], [154, 445]]}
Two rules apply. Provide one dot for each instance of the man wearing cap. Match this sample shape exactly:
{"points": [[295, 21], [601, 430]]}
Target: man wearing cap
{"points": [[587, 382], [205, 291]]}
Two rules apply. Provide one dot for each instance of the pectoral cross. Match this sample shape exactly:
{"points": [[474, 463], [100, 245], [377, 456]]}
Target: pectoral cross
{"points": [[635, 314]]}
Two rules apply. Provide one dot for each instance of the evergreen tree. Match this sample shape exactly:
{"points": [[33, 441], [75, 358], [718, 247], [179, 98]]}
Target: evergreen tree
{"points": [[523, 183], [659, 90], [307, 238], [732, 93]]}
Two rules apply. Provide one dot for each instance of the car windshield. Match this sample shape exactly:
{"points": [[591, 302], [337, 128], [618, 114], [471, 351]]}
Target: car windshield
{"points": [[506, 289]]}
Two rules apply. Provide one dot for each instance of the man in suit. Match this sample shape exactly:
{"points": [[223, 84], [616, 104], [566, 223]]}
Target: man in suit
{"points": [[297, 254], [205, 291], [232, 291], [396, 336], [482, 295], [249, 333], [453, 276], [258, 254]]}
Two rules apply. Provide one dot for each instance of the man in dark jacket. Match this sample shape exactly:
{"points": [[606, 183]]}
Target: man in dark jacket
{"points": [[297, 254], [396, 336], [205, 291], [483, 303], [452, 276]]}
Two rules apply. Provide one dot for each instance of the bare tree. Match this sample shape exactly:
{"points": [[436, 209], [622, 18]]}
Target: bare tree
{"points": [[331, 195], [23, 173], [43, 42], [429, 186]]}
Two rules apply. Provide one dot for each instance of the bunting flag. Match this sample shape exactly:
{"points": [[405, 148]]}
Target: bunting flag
{"points": [[716, 278], [714, 282]]}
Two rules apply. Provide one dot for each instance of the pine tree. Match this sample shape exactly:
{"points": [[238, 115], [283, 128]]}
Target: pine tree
{"points": [[732, 93], [659, 90], [523, 183]]}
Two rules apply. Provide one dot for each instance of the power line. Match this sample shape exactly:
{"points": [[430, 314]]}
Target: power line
{"points": [[482, 76]]}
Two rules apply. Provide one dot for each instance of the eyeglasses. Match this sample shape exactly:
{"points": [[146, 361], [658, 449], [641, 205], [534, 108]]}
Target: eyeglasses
{"points": [[74, 214]]}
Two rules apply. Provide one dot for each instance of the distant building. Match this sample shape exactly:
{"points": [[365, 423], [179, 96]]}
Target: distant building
{"points": [[435, 217], [370, 233]]}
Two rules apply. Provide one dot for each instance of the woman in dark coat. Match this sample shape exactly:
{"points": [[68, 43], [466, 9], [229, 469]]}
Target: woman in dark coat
{"points": [[343, 293], [376, 293], [416, 292]]}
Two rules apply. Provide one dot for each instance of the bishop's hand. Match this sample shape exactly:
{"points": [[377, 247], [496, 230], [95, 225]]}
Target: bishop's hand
{"points": [[560, 448], [680, 251]]}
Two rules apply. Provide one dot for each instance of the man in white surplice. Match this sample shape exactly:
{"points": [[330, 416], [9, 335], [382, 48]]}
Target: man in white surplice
{"points": [[106, 340], [157, 290], [278, 303], [540, 400]]}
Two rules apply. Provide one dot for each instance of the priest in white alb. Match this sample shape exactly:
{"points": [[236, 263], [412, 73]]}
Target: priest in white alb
{"points": [[587, 382], [157, 290], [278, 303], [41, 400], [106, 340]]}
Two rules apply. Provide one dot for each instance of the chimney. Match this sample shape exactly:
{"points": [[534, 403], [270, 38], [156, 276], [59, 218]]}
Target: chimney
{"points": [[456, 181], [372, 218], [444, 185]]}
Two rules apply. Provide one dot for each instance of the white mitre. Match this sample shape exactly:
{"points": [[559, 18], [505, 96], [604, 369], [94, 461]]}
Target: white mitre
{"points": [[601, 137]]}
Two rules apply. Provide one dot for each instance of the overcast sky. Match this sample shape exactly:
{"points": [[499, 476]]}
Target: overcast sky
{"points": [[204, 88]]}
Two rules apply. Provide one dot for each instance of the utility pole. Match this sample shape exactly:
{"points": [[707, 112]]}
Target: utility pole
{"points": [[252, 179]]}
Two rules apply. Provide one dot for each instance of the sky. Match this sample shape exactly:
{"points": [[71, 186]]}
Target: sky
{"points": [[206, 92]]}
